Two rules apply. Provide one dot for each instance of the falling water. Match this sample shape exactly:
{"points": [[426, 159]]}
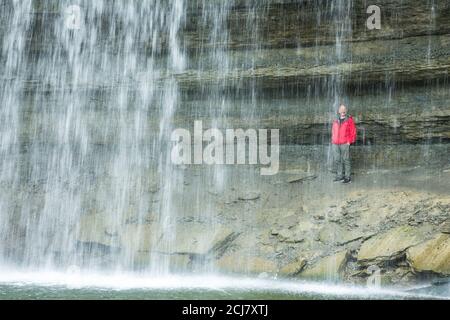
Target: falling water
{"points": [[13, 58], [90, 96], [91, 92], [79, 103]]}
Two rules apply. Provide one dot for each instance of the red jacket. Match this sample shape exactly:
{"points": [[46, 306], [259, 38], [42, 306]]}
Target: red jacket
{"points": [[344, 132]]}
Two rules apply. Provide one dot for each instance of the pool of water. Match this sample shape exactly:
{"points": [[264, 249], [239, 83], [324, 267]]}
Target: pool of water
{"points": [[54, 285]]}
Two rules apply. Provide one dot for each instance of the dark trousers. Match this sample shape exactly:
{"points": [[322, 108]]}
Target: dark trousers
{"points": [[341, 160]]}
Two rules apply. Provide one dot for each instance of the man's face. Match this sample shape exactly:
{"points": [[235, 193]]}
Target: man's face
{"points": [[342, 111]]}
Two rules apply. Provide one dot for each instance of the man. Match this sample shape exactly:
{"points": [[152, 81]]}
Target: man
{"points": [[343, 134]]}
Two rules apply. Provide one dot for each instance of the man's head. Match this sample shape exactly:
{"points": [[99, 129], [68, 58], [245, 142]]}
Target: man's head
{"points": [[342, 111]]}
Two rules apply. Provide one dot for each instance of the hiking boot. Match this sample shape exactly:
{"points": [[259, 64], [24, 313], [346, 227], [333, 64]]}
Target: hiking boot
{"points": [[347, 180], [337, 179]]}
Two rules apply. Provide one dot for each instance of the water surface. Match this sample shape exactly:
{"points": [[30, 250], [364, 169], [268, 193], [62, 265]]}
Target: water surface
{"points": [[54, 285]]}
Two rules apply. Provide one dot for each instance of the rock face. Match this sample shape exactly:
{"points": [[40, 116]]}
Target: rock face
{"points": [[281, 64], [431, 256], [95, 229], [140, 238], [336, 234], [196, 238], [247, 264], [445, 227], [294, 233], [250, 195], [293, 268], [328, 268], [390, 245], [175, 262], [145, 242], [293, 48]]}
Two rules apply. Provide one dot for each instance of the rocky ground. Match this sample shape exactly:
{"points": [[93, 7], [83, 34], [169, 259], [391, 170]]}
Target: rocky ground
{"points": [[388, 220], [295, 224]]}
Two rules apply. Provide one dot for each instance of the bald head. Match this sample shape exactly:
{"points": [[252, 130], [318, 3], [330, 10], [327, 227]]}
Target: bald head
{"points": [[342, 111]]}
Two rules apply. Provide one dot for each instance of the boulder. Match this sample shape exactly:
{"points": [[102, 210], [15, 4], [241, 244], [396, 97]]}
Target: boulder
{"points": [[327, 268], [391, 244], [431, 256]]}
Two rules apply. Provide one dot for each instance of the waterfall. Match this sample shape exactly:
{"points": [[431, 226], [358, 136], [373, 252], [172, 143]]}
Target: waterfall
{"points": [[91, 93], [13, 60], [88, 119], [90, 96]]}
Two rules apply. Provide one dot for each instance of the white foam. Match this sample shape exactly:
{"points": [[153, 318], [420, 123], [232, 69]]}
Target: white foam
{"points": [[210, 282]]}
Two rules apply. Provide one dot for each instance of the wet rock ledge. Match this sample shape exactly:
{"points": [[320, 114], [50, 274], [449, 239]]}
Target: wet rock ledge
{"points": [[296, 225]]}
